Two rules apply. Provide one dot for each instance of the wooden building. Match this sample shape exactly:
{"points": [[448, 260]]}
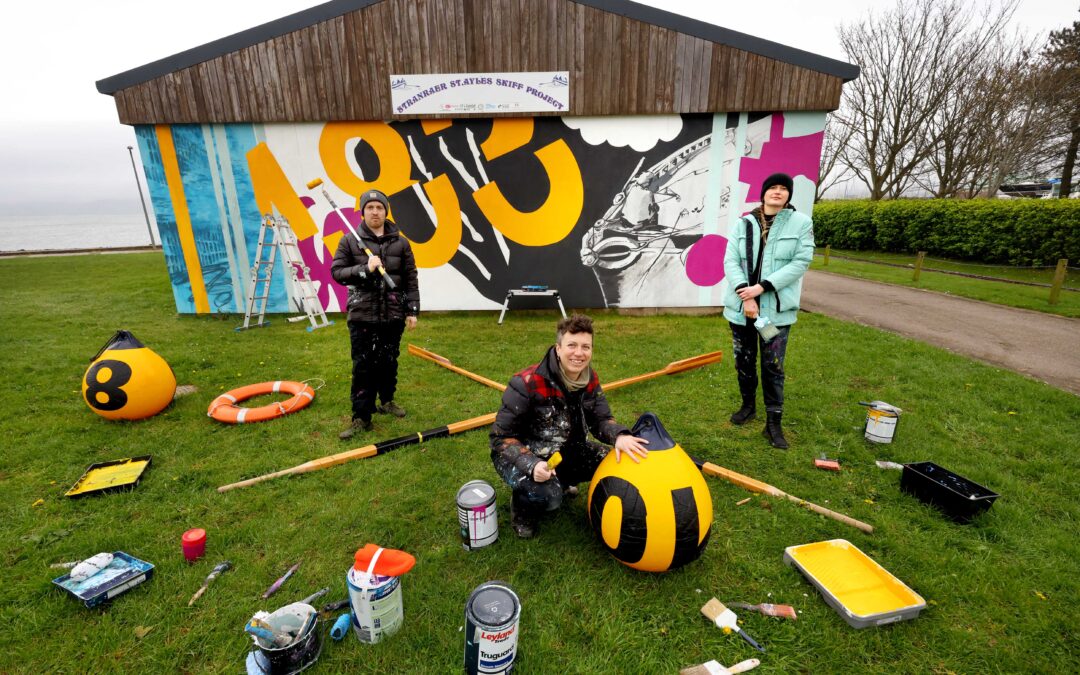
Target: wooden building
{"points": [[649, 137]]}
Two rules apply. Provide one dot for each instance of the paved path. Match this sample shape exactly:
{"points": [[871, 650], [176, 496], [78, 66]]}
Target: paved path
{"points": [[1043, 346]]}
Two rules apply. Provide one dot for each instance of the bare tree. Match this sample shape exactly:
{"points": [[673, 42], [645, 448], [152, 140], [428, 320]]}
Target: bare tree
{"points": [[837, 136], [1063, 56], [912, 58]]}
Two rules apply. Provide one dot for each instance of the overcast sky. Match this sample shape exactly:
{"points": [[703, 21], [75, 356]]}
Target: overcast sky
{"points": [[61, 146]]}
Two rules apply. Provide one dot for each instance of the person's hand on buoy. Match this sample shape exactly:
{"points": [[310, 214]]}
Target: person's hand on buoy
{"points": [[632, 446], [542, 472], [410, 322], [373, 263]]}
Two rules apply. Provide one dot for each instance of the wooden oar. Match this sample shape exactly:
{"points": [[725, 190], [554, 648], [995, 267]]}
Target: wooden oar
{"points": [[380, 448], [670, 369], [755, 485], [445, 363], [450, 429]]}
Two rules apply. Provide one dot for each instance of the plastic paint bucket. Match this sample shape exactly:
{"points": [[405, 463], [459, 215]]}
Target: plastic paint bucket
{"points": [[476, 515], [881, 419], [377, 610], [491, 629], [193, 544]]}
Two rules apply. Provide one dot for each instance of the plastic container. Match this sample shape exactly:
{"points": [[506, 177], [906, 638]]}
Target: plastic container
{"points": [[956, 496], [193, 544], [861, 591]]}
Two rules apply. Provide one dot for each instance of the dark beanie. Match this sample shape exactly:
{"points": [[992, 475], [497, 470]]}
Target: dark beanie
{"points": [[778, 179], [373, 196]]}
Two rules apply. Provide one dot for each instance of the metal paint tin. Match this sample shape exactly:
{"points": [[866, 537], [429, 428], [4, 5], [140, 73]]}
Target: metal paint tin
{"points": [[491, 629], [881, 420], [476, 515], [377, 610]]}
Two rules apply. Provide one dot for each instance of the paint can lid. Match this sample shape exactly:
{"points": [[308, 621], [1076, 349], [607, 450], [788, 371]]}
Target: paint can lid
{"points": [[493, 604], [475, 493]]}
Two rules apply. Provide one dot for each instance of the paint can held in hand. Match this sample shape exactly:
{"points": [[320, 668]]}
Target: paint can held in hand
{"points": [[491, 629], [377, 609], [476, 515]]}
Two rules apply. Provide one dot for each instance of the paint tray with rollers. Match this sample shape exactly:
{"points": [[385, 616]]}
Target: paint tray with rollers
{"points": [[122, 573], [114, 476], [861, 591]]}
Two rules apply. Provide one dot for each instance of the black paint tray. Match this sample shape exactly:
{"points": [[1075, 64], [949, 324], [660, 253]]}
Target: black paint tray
{"points": [[958, 497], [119, 474]]}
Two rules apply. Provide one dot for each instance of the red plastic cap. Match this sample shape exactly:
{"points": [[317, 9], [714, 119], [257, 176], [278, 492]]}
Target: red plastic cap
{"points": [[194, 537], [391, 562]]}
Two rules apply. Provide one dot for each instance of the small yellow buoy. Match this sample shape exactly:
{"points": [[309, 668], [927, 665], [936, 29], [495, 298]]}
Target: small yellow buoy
{"points": [[127, 380]]}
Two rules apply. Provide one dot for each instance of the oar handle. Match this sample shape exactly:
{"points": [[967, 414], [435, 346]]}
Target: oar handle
{"points": [[847, 520]]}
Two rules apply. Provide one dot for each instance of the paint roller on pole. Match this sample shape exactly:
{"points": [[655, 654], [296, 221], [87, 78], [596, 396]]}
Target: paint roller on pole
{"points": [[382, 270]]}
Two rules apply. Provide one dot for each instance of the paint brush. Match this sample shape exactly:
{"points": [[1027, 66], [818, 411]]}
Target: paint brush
{"points": [[768, 609], [714, 668], [277, 584], [723, 617], [218, 569], [310, 600]]}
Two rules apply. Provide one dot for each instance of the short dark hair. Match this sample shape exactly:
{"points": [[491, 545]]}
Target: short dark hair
{"points": [[575, 323]]}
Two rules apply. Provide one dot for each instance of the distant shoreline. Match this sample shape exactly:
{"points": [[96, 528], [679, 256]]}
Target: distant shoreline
{"points": [[23, 253]]}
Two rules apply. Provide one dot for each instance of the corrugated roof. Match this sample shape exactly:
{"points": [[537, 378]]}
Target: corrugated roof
{"points": [[336, 8]]}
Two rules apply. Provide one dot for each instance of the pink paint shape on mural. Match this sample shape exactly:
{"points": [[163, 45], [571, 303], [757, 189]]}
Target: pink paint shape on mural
{"points": [[796, 156], [705, 260], [320, 269]]}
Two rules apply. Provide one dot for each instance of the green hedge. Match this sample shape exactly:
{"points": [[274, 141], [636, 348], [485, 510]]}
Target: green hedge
{"points": [[1011, 232]]}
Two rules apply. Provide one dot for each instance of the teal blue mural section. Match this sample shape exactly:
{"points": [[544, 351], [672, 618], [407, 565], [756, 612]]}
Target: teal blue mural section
{"points": [[154, 171]]}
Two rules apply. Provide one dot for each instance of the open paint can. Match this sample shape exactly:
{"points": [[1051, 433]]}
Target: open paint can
{"points": [[881, 420], [491, 629], [476, 515], [295, 657]]}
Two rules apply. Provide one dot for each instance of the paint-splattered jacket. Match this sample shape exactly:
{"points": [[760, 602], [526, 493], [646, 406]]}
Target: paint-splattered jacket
{"points": [[370, 299], [539, 416]]}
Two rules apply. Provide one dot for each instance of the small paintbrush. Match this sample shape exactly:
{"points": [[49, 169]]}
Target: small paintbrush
{"points": [[714, 668], [218, 569], [768, 609], [277, 584], [723, 617]]}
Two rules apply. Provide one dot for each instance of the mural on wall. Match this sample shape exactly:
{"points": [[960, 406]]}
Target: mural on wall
{"points": [[613, 212]]}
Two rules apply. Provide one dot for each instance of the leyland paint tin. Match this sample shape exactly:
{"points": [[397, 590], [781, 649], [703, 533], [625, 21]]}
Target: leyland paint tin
{"points": [[491, 629], [377, 610], [881, 419], [476, 515]]}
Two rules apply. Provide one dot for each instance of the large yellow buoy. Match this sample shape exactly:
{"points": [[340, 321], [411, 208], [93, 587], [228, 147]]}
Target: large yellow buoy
{"points": [[127, 380], [654, 516]]}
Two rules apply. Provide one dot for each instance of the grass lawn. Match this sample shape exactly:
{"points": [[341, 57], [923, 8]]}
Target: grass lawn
{"points": [[1000, 591], [1002, 293]]}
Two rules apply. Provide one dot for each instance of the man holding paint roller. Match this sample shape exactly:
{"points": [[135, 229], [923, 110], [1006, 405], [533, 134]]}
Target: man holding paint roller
{"points": [[376, 264], [551, 408]]}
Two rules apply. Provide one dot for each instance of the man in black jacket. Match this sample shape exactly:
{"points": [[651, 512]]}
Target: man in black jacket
{"points": [[377, 314], [551, 407]]}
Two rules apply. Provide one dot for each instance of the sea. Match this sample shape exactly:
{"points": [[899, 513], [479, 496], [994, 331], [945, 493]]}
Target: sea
{"points": [[67, 232]]}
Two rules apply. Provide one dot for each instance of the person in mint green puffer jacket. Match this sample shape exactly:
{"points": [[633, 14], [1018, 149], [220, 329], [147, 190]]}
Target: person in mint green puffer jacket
{"points": [[768, 252]]}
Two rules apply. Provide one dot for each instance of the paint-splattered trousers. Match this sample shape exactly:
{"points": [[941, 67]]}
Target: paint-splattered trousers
{"points": [[746, 343], [532, 499], [375, 348]]}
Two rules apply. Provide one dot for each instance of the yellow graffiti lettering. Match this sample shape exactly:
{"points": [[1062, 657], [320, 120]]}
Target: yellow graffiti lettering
{"points": [[556, 217], [507, 134], [442, 246], [272, 189], [395, 165]]}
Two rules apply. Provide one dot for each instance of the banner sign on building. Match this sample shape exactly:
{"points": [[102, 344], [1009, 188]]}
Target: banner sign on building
{"points": [[459, 93]]}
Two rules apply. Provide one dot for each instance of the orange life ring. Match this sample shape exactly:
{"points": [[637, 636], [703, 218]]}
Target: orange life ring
{"points": [[225, 408]]}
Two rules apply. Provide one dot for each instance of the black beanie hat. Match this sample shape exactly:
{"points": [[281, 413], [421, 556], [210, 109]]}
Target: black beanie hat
{"points": [[373, 196], [778, 179]]}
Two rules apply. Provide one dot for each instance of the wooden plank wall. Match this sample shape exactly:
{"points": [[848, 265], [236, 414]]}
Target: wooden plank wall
{"points": [[340, 69]]}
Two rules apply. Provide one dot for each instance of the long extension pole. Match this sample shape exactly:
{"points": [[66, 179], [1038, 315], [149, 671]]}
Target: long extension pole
{"points": [[142, 201]]}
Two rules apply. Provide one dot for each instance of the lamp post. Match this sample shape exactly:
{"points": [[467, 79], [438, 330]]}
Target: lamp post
{"points": [[142, 201]]}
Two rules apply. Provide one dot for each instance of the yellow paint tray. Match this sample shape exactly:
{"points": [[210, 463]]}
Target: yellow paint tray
{"points": [[861, 591], [119, 474]]}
